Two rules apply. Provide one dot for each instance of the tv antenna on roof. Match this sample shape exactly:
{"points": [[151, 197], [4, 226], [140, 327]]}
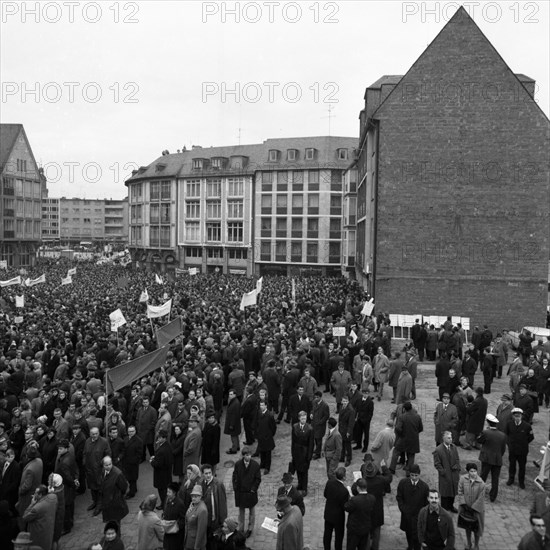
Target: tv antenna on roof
{"points": [[329, 116]]}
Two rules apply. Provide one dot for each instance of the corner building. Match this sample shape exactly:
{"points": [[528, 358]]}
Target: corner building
{"points": [[453, 197], [274, 207]]}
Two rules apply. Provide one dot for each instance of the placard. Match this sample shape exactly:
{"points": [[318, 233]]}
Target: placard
{"points": [[338, 331]]}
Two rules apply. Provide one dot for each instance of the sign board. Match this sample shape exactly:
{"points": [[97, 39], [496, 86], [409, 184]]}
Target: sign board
{"points": [[338, 331]]}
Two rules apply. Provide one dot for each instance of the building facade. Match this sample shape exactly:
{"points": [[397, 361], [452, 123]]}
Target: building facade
{"points": [[50, 221], [274, 207], [99, 221], [20, 197], [453, 187]]}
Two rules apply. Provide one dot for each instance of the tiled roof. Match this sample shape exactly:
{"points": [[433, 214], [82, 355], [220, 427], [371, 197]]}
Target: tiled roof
{"points": [[181, 164], [8, 135]]}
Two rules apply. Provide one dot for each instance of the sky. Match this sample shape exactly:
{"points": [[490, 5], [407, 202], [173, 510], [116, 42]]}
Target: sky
{"points": [[104, 87]]}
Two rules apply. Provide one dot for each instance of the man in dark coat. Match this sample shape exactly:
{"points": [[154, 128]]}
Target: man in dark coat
{"points": [[112, 490], [132, 458], [95, 449], [266, 427], [475, 419], [233, 421], [378, 484], [364, 410], [346, 421], [442, 368], [520, 434], [11, 477], [211, 434], [66, 467], [298, 402], [288, 490], [320, 414], [408, 427], [412, 496], [246, 481], [302, 450], [272, 379], [162, 462], [118, 448], [214, 496], [78, 441], [493, 446], [146, 421], [336, 495], [447, 464], [249, 412], [360, 510], [435, 525]]}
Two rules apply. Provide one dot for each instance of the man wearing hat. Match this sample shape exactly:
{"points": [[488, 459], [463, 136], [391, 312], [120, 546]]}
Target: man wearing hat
{"points": [[246, 481], [504, 411], [290, 531], [445, 418], [378, 484], [192, 443], [524, 401], [493, 445], [66, 467], [412, 495], [288, 490], [520, 434], [24, 542], [162, 462]]}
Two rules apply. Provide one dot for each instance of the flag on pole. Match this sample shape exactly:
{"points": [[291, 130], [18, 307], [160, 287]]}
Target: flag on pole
{"points": [[248, 299], [117, 319], [144, 296], [168, 332], [10, 282], [72, 271], [158, 279], [125, 374], [159, 311], [259, 285], [20, 301], [67, 280]]}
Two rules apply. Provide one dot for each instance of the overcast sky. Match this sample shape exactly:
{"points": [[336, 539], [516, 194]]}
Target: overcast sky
{"points": [[102, 88]]}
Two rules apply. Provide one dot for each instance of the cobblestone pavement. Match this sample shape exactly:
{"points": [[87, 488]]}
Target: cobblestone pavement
{"points": [[506, 521]]}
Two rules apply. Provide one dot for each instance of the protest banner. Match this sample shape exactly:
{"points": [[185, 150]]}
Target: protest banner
{"points": [[117, 320], [159, 311], [11, 282], [67, 280], [144, 296], [248, 299], [20, 301], [169, 332]]}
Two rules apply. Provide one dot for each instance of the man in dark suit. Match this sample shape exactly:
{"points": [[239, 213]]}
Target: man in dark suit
{"points": [[112, 489], [336, 494], [266, 428], [246, 481], [346, 421], [319, 415], [298, 402], [66, 467], [520, 434], [146, 421], [364, 410], [11, 477], [162, 462], [288, 490], [302, 450], [408, 428], [249, 414], [132, 458], [215, 498], [412, 496], [493, 446], [360, 509], [435, 525], [233, 421]]}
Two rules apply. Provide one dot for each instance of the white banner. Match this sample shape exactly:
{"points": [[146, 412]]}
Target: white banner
{"points": [[37, 281], [368, 307], [72, 271], [259, 285], [117, 319], [10, 282], [159, 311], [67, 280], [144, 296], [248, 299], [338, 331], [193, 270], [3, 264], [20, 301], [158, 279]]}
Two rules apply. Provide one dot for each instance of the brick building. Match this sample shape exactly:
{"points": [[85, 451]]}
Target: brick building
{"points": [[453, 186]]}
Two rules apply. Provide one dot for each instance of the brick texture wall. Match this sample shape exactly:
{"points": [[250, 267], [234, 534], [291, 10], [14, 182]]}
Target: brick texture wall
{"points": [[463, 188]]}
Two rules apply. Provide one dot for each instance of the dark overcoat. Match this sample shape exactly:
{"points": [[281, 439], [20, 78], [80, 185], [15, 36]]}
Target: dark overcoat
{"points": [[112, 491], [475, 415], [132, 457], [447, 465], [265, 432], [246, 481], [233, 418], [407, 429], [302, 446]]}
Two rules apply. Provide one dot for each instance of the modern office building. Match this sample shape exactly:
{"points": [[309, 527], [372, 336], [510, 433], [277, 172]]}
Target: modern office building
{"points": [[454, 186], [20, 198], [99, 221], [274, 207]]}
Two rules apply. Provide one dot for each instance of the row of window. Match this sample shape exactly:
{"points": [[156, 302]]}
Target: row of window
{"points": [[297, 201], [235, 209], [235, 232], [275, 155], [232, 253], [27, 228], [282, 251], [234, 186], [22, 188], [24, 208], [297, 224]]}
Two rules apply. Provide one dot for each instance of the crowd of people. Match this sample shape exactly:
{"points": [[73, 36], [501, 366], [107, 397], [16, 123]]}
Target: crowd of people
{"points": [[63, 436]]}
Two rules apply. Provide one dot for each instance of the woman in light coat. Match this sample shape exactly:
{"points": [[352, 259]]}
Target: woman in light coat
{"points": [[150, 529], [471, 491]]}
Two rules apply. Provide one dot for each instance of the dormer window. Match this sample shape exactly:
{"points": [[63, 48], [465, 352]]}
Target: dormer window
{"points": [[342, 154], [273, 155], [160, 167], [291, 154], [218, 163], [310, 153], [197, 164]]}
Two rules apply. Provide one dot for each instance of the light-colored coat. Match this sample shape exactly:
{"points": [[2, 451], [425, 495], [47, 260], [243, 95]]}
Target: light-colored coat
{"points": [[473, 494], [382, 446], [40, 519], [381, 366]]}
